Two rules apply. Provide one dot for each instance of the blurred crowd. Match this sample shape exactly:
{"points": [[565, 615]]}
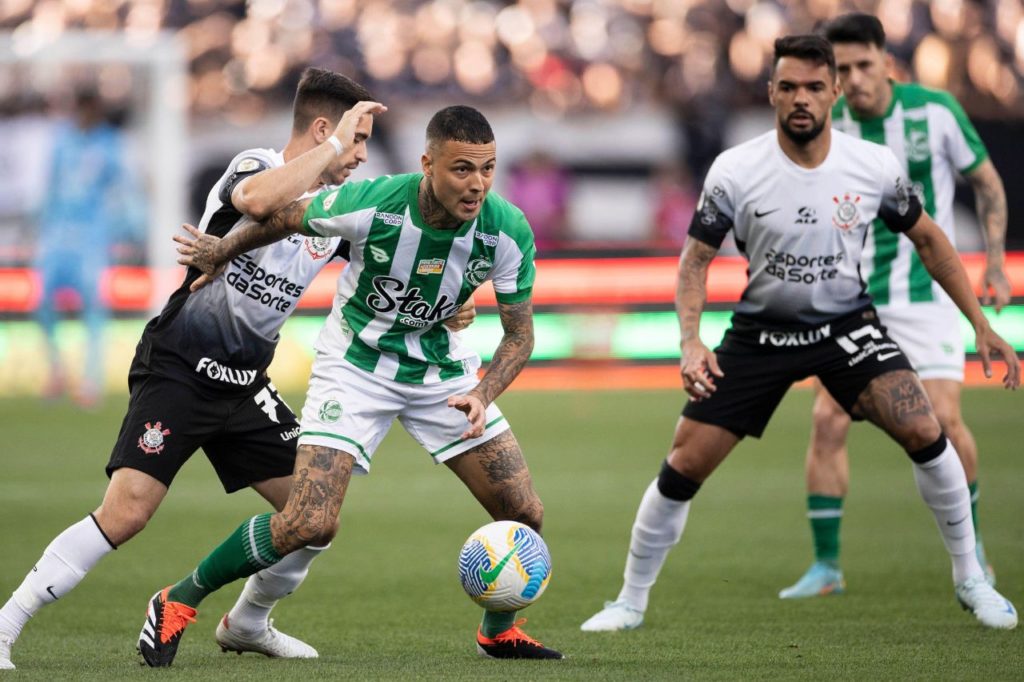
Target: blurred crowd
{"points": [[559, 55]]}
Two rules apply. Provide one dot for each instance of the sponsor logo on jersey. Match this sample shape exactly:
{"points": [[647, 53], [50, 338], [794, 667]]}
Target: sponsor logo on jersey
{"points": [[255, 282], [393, 219], [430, 266], [379, 254], [847, 215], [807, 216], [487, 239], [318, 247], [290, 434], [476, 271], [390, 294], [248, 165], [801, 269], [330, 411], [330, 199], [806, 337], [152, 440], [229, 375]]}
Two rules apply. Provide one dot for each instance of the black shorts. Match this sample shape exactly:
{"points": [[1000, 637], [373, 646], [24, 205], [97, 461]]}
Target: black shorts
{"points": [[247, 439], [760, 364]]}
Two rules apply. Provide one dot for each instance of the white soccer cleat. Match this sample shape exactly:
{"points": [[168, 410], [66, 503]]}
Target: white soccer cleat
{"points": [[992, 609], [615, 616], [5, 653], [271, 642]]}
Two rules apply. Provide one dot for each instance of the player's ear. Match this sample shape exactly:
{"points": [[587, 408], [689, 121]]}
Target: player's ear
{"points": [[321, 128], [890, 64], [771, 92], [427, 164]]}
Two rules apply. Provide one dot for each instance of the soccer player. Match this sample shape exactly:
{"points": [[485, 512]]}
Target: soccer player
{"points": [[421, 244], [799, 200], [199, 378], [933, 139]]}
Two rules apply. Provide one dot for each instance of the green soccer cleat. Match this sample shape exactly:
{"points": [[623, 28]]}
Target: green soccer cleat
{"points": [[821, 579]]}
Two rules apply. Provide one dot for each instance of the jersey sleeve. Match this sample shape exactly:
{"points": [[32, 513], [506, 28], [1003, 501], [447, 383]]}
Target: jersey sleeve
{"points": [[242, 166], [715, 210], [514, 268], [964, 145], [339, 212], [900, 207]]}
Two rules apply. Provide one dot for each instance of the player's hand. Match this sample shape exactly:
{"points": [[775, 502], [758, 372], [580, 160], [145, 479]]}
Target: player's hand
{"points": [[346, 130], [988, 343], [475, 411], [463, 317], [202, 251], [699, 367], [994, 281]]}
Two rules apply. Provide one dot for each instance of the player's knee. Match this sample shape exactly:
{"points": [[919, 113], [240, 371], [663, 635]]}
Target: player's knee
{"points": [[676, 486], [121, 523], [308, 530], [929, 451], [830, 421], [949, 417], [533, 514]]}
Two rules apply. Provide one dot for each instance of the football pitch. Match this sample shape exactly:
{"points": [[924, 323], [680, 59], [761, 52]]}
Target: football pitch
{"points": [[385, 602]]}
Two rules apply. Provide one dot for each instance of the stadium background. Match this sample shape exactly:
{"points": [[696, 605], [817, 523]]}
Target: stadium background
{"points": [[631, 99]]}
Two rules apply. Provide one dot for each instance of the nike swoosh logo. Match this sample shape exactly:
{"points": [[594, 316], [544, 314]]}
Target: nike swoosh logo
{"points": [[759, 214], [886, 356], [490, 576], [957, 523], [49, 588]]}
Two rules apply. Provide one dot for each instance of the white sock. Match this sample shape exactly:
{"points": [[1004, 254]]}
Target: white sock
{"points": [[64, 563], [264, 589], [658, 526], [943, 487]]}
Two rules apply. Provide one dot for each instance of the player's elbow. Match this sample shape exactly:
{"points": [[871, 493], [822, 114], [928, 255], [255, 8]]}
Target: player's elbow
{"points": [[257, 209]]}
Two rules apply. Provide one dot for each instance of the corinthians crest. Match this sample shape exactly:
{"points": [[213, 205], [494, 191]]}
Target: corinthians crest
{"points": [[318, 247], [847, 215], [152, 441]]}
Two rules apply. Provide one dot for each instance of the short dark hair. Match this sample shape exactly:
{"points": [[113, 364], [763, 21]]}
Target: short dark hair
{"points": [[809, 47], [856, 27], [325, 93], [459, 123]]}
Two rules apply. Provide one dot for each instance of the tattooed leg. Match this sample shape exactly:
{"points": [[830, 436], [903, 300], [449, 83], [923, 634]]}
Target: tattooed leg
{"points": [[497, 475], [310, 516], [897, 403]]}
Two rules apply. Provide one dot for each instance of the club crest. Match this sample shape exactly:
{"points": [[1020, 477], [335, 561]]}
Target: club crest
{"points": [[152, 441], [318, 247], [477, 270], [847, 214]]}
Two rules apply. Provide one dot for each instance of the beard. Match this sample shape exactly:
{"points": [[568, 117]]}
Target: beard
{"points": [[802, 137]]}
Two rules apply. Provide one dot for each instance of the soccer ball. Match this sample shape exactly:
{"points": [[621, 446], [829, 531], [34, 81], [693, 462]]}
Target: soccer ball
{"points": [[504, 566]]}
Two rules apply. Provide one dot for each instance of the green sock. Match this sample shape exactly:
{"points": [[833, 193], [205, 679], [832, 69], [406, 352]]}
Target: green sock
{"points": [[973, 487], [496, 622], [248, 550], [825, 513]]}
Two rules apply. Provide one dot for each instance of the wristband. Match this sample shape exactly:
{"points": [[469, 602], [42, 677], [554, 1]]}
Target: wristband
{"points": [[336, 143]]}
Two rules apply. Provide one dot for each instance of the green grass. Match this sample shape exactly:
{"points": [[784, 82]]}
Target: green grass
{"points": [[385, 603]]}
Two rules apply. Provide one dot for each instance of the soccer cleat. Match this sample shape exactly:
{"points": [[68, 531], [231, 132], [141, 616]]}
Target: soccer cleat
{"points": [[269, 642], [165, 624], [5, 653], [992, 609], [990, 573], [513, 643], [615, 616], [821, 579]]}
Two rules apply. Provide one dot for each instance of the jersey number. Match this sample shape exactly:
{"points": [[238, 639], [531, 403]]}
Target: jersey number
{"points": [[267, 402], [849, 341]]}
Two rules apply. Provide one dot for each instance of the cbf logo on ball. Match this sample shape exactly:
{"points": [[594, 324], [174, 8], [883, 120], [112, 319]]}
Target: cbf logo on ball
{"points": [[504, 566]]}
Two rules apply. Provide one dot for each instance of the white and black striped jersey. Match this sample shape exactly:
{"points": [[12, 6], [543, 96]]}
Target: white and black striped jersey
{"points": [[223, 336], [802, 230]]}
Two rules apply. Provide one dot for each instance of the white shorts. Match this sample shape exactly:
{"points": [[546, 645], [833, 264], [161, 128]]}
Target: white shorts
{"points": [[930, 336], [350, 409]]}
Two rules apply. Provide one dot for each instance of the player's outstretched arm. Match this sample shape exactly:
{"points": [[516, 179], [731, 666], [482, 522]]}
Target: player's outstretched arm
{"points": [[509, 359], [698, 364], [259, 195], [943, 264], [990, 201]]}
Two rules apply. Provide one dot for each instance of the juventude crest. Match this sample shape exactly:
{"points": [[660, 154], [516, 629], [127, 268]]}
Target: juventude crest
{"points": [[330, 411], [916, 145], [318, 247], [152, 441], [477, 270]]}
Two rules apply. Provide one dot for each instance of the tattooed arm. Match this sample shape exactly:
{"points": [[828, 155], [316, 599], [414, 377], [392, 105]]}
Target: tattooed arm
{"points": [[209, 254], [990, 201], [943, 264], [509, 359], [691, 294]]}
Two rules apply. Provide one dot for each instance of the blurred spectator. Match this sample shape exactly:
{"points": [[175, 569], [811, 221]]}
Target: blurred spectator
{"points": [[81, 213], [540, 187], [674, 202]]}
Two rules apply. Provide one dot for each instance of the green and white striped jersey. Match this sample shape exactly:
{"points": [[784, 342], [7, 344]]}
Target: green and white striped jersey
{"points": [[934, 140], [404, 277]]}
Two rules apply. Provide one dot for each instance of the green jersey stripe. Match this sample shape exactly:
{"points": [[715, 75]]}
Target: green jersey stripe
{"points": [[886, 241], [919, 167]]}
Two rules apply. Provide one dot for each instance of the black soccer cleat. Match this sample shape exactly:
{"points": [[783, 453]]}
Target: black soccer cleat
{"points": [[513, 643], [165, 624]]}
